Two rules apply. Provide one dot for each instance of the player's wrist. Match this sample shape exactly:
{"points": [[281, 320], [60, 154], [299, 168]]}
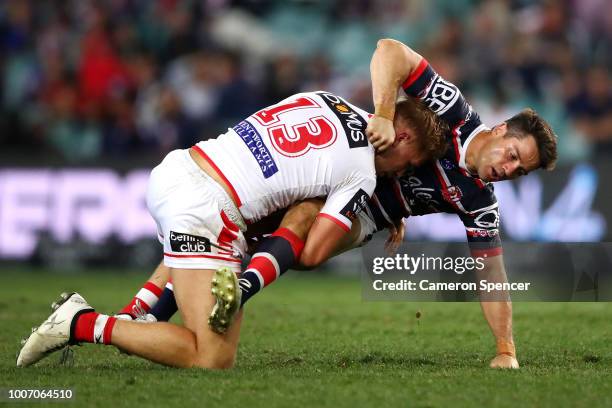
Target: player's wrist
{"points": [[384, 112], [506, 347]]}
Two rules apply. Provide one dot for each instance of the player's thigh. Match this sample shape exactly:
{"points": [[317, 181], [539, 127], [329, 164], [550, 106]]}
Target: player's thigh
{"points": [[195, 302]]}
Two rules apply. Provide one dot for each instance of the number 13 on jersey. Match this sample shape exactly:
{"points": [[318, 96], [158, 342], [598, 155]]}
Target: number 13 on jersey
{"points": [[295, 133]]}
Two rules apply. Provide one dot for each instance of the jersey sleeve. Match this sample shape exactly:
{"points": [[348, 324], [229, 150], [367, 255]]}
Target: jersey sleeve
{"points": [[367, 228], [346, 200], [482, 224], [441, 96]]}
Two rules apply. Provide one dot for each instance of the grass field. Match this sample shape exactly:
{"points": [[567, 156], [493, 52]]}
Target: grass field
{"points": [[312, 342]]}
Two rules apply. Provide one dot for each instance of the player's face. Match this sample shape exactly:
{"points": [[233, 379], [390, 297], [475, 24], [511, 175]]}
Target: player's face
{"points": [[507, 157], [405, 152]]}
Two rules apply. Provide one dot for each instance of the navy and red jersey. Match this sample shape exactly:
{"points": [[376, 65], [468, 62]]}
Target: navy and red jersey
{"points": [[444, 185]]}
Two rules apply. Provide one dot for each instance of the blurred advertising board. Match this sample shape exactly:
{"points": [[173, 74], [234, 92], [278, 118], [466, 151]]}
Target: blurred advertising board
{"points": [[95, 206]]}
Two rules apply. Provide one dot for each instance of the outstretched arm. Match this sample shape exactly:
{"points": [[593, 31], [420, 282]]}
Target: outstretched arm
{"points": [[392, 63], [497, 309]]}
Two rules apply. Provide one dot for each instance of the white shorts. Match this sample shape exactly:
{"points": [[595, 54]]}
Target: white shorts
{"points": [[197, 222]]}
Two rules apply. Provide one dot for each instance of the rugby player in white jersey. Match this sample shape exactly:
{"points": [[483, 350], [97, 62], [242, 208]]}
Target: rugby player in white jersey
{"points": [[202, 199]]}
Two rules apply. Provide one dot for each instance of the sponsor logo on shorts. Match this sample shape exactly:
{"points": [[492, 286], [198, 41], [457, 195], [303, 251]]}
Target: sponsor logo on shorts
{"points": [[252, 139], [356, 205], [181, 242], [353, 123]]}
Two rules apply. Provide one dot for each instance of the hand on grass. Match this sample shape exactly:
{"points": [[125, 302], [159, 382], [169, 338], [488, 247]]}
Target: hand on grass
{"points": [[396, 237], [504, 361]]}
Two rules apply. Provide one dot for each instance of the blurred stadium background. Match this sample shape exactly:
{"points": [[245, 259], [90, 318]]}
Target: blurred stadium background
{"points": [[94, 93]]}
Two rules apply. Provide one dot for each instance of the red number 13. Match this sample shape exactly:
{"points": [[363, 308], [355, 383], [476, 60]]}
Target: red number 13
{"points": [[317, 133]]}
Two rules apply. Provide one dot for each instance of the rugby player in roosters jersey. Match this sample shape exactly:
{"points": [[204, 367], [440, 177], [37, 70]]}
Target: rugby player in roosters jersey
{"points": [[458, 181], [202, 199]]}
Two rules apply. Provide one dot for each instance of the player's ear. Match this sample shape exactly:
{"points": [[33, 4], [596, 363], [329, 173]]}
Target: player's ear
{"points": [[406, 137], [501, 129]]}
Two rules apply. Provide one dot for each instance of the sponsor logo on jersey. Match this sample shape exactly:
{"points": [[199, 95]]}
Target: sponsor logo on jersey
{"points": [[478, 232], [488, 219], [181, 242], [353, 123], [419, 191], [251, 137], [441, 95], [355, 205]]}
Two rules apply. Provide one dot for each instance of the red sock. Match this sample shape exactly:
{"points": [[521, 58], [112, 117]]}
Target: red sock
{"points": [[92, 327], [144, 300], [275, 255]]}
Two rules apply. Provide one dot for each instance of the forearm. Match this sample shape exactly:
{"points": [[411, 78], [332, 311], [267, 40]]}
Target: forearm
{"points": [[346, 243], [499, 318], [497, 306], [391, 64]]}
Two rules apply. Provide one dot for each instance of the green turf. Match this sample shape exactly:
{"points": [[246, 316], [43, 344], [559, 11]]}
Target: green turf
{"points": [[312, 342]]}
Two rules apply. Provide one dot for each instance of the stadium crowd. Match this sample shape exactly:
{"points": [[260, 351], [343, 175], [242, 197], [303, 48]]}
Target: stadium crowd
{"points": [[85, 79]]}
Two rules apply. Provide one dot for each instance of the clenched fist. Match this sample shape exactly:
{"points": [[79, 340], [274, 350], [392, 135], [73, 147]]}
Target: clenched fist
{"points": [[380, 132]]}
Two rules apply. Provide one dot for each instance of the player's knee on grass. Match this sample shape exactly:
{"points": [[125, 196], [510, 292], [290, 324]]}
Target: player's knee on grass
{"points": [[218, 352], [217, 361], [195, 301]]}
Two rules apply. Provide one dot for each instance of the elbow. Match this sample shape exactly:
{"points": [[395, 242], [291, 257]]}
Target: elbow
{"points": [[386, 43], [398, 53]]}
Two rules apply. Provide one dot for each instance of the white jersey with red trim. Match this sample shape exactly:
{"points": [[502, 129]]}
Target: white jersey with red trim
{"points": [[308, 145]]}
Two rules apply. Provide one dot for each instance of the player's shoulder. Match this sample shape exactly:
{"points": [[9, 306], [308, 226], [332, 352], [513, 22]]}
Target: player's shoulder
{"points": [[356, 170], [353, 122], [333, 100], [444, 98]]}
